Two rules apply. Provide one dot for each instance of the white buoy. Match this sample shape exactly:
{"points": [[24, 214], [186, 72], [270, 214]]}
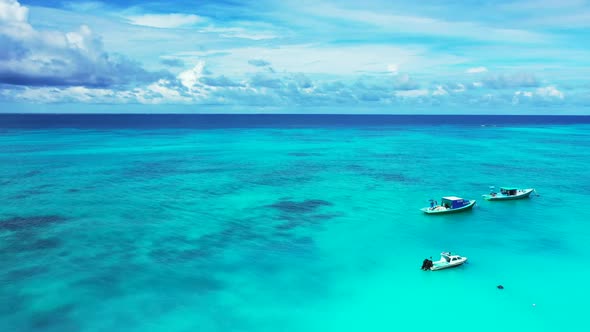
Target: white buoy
{"points": [[534, 305]]}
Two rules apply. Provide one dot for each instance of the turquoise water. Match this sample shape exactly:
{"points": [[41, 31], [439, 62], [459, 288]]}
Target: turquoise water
{"points": [[292, 229]]}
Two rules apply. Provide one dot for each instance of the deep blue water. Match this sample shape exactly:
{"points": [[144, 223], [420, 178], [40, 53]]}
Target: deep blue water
{"points": [[203, 121]]}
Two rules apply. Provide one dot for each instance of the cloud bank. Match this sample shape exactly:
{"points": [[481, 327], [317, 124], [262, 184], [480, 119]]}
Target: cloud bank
{"points": [[31, 57], [284, 55]]}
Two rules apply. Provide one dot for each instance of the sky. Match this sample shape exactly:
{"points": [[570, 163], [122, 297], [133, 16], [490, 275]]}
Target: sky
{"points": [[295, 56]]}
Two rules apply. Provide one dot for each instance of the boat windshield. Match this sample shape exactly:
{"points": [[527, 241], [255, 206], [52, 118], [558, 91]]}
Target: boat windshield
{"points": [[509, 191]]}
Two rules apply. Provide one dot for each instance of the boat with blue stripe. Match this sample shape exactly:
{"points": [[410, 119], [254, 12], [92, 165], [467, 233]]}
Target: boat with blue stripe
{"points": [[449, 204]]}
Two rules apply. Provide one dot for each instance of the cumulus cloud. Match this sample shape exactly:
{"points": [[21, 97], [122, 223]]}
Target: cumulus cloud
{"points": [[549, 92], [405, 82], [302, 81], [190, 78], [538, 96], [195, 86], [260, 80], [66, 94], [55, 67], [524, 94], [12, 11], [511, 81], [368, 89], [165, 21], [440, 91], [518, 95], [476, 70], [162, 91], [51, 58]]}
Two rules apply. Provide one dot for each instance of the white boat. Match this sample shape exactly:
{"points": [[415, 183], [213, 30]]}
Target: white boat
{"points": [[508, 193], [446, 261], [449, 204]]}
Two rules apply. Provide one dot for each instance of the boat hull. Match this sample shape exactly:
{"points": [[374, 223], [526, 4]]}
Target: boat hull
{"points": [[441, 266], [461, 209], [499, 197]]}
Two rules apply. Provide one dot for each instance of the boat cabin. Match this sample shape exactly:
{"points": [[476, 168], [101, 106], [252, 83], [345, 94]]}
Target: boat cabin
{"points": [[452, 202], [508, 191], [449, 258]]}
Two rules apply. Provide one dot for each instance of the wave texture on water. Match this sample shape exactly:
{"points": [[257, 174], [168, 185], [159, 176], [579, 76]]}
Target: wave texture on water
{"points": [[292, 225]]}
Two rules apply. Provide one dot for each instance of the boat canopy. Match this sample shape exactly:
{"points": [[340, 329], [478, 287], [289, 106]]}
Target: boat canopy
{"points": [[508, 190], [447, 256], [452, 198], [454, 202]]}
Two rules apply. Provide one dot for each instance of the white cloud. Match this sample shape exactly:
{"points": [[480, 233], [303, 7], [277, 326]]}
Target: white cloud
{"points": [[73, 66], [165, 21], [476, 70], [322, 59], [38, 95], [14, 20], [30, 57], [405, 82], [168, 94], [440, 91], [69, 94], [521, 94], [12, 11], [393, 69], [80, 39], [190, 78], [412, 93], [549, 92], [528, 94], [186, 88]]}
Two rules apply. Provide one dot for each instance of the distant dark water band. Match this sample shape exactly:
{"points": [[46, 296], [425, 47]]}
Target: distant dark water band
{"points": [[211, 121]]}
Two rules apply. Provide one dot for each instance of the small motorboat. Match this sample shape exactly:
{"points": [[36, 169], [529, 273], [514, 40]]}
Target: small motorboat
{"points": [[449, 204], [446, 260], [508, 193]]}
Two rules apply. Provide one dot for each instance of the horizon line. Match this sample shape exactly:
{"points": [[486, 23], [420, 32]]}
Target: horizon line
{"points": [[306, 114]]}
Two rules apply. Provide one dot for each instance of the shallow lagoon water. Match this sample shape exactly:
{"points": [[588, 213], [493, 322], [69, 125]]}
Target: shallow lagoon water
{"points": [[291, 228]]}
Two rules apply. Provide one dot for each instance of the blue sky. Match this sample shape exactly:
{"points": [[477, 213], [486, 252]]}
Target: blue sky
{"points": [[295, 56]]}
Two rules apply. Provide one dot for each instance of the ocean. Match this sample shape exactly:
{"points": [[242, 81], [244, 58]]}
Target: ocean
{"points": [[291, 223]]}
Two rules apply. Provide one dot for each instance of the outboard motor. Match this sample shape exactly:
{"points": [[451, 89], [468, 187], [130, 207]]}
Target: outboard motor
{"points": [[427, 264]]}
